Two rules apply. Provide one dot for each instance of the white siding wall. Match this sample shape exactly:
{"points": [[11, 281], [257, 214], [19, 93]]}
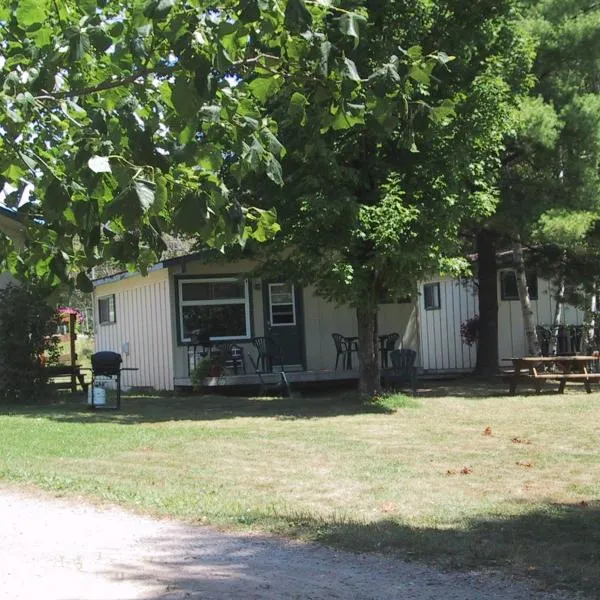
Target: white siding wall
{"points": [[441, 347], [511, 338], [323, 318], [143, 323]]}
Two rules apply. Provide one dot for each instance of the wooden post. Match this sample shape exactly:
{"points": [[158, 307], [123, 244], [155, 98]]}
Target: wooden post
{"points": [[72, 338]]}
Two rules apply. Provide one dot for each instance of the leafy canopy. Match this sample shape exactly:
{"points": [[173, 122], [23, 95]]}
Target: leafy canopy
{"points": [[125, 120]]}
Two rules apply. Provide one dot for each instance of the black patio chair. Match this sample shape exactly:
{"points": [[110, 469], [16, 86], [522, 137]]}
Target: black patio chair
{"points": [[269, 353], [344, 347], [233, 356], [403, 369], [545, 339], [388, 343]]}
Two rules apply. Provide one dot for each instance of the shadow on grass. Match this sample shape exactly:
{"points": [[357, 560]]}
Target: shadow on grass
{"points": [[147, 409], [557, 545], [553, 547]]}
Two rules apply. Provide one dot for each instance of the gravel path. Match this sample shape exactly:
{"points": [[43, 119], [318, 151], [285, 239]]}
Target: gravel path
{"points": [[56, 549]]}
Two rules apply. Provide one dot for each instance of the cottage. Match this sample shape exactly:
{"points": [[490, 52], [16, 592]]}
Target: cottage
{"points": [[150, 320]]}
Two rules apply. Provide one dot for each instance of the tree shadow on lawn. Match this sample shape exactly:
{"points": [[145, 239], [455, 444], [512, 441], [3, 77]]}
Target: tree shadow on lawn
{"points": [[149, 409], [556, 546], [157, 408]]}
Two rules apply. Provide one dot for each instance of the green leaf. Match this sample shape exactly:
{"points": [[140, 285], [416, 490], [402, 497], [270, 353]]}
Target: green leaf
{"points": [[211, 113], [414, 52], [263, 88], [419, 74], [210, 158], [350, 26], [79, 45], [31, 12], [273, 169], [84, 283], [297, 107], [192, 214], [350, 70], [158, 9], [88, 6], [250, 11], [13, 173], [56, 199], [273, 144], [145, 193], [100, 39], [185, 99], [325, 51], [161, 195], [99, 164], [297, 16]]}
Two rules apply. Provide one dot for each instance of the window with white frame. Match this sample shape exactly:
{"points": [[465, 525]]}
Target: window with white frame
{"points": [[219, 308], [282, 306], [106, 310], [431, 296]]}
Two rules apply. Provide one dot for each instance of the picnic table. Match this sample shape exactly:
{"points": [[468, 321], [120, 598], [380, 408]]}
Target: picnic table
{"points": [[554, 368]]}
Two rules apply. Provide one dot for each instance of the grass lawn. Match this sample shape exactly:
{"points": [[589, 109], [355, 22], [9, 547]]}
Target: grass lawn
{"points": [[462, 477]]}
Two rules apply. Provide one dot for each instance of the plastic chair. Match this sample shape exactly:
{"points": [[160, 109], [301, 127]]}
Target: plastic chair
{"points": [[388, 343], [343, 348], [233, 356], [268, 352], [403, 369]]}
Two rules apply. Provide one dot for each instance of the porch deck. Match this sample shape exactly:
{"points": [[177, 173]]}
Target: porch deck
{"points": [[250, 379], [301, 377]]}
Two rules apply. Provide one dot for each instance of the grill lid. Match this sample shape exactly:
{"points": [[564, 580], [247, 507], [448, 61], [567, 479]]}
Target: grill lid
{"points": [[106, 363]]}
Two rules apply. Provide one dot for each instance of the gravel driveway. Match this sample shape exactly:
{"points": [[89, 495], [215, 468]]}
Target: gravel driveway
{"points": [[56, 549]]}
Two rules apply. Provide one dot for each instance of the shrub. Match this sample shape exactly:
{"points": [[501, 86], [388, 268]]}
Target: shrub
{"points": [[209, 366], [27, 342]]}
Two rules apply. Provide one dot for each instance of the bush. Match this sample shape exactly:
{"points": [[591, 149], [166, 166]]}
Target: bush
{"points": [[27, 342], [209, 366]]}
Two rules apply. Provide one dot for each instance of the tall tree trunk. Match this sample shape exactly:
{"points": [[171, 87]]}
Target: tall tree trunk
{"points": [[590, 320], [558, 313], [533, 345], [368, 348], [487, 344]]}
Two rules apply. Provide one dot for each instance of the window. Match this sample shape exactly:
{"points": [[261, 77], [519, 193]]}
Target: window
{"points": [[508, 285], [281, 304], [431, 293], [106, 310], [219, 308]]}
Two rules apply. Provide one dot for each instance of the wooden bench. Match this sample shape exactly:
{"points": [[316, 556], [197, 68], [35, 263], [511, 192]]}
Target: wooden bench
{"points": [[71, 371]]}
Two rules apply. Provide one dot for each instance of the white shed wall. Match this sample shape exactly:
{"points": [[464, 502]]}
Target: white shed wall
{"points": [[511, 338], [441, 344], [143, 326], [441, 347]]}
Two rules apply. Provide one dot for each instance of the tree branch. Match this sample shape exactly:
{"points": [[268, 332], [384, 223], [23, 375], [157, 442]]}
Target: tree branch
{"points": [[109, 84]]}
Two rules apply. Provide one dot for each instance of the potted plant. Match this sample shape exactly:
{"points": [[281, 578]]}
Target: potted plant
{"points": [[209, 366]]}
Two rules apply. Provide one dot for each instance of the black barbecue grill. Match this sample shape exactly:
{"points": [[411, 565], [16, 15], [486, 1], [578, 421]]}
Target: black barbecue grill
{"points": [[107, 365]]}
